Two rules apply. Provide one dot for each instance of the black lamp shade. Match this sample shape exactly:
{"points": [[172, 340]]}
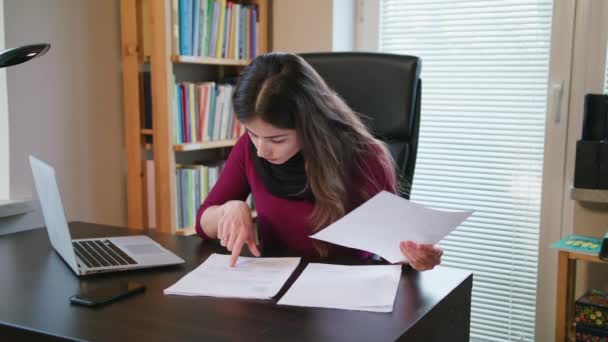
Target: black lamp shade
{"points": [[22, 54]]}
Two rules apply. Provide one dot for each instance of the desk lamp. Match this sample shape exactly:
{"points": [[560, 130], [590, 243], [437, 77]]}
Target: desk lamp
{"points": [[22, 54]]}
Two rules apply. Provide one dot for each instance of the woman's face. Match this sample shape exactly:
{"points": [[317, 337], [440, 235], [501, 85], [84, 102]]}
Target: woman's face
{"points": [[277, 145]]}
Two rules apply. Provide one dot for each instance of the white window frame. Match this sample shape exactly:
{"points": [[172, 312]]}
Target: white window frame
{"points": [[367, 25], [554, 196], [570, 78], [4, 123]]}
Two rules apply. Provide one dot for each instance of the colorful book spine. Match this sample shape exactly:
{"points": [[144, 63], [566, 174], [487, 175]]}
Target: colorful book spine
{"points": [[208, 24], [185, 25], [254, 21], [178, 114], [184, 113], [220, 36], [213, 98], [214, 29], [175, 28], [203, 27], [195, 26], [192, 112], [248, 39], [237, 29], [226, 40]]}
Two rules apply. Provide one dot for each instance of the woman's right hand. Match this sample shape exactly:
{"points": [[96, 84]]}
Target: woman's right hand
{"points": [[235, 229]]}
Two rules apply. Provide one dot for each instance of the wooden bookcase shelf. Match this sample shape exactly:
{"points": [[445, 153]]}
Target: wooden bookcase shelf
{"points": [[566, 288], [147, 36], [589, 195], [208, 145], [209, 60], [205, 145]]}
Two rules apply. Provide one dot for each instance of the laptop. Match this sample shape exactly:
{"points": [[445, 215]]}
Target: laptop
{"points": [[88, 256]]}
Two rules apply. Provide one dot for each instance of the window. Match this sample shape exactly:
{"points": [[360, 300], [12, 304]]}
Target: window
{"points": [[4, 139], [606, 73], [484, 76], [4, 136]]}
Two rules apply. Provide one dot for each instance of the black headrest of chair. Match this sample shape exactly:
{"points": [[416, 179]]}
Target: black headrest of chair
{"points": [[385, 89], [382, 87]]}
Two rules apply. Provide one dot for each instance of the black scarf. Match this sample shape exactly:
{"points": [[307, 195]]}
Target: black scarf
{"points": [[287, 180]]}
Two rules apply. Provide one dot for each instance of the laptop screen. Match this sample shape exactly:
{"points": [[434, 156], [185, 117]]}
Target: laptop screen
{"points": [[53, 211]]}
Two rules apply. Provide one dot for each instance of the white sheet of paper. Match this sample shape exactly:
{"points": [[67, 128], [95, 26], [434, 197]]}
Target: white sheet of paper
{"points": [[386, 219], [252, 278], [364, 288]]}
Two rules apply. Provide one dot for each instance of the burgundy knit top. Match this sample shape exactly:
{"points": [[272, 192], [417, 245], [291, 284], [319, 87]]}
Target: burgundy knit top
{"points": [[283, 224]]}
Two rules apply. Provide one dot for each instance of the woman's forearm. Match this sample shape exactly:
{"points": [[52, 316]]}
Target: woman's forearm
{"points": [[210, 219]]}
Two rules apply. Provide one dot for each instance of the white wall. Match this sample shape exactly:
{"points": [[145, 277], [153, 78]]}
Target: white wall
{"points": [[302, 26], [4, 137], [65, 107]]}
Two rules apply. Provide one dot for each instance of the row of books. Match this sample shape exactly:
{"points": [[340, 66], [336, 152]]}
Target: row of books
{"points": [[204, 112], [193, 183], [215, 28]]}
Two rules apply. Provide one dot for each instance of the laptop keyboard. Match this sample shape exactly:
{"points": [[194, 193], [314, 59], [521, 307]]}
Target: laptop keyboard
{"points": [[100, 253]]}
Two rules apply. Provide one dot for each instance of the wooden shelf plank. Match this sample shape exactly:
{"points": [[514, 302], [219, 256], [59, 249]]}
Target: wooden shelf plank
{"points": [[190, 230], [185, 231], [209, 60], [589, 195], [135, 186], [586, 257], [205, 145], [146, 131]]}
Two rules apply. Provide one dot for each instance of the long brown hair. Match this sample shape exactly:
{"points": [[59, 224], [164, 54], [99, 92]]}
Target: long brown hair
{"points": [[285, 91]]}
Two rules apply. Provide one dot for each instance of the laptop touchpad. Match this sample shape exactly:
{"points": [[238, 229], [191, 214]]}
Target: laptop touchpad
{"points": [[143, 249]]}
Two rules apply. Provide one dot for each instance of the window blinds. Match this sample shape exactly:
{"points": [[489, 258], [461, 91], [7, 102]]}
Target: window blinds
{"points": [[484, 74], [606, 74]]}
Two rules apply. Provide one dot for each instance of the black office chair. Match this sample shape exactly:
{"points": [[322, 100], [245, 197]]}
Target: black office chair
{"points": [[386, 89]]}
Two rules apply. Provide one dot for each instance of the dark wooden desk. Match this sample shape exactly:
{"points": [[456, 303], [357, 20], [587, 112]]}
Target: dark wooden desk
{"points": [[35, 286]]}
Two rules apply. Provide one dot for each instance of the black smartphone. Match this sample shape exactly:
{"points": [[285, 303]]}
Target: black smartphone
{"points": [[106, 293]]}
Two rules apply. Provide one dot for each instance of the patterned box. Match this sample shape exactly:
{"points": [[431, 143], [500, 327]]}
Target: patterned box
{"points": [[587, 334], [591, 310]]}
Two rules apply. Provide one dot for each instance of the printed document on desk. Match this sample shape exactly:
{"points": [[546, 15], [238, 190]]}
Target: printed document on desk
{"points": [[363, 288], [251, 278], [379, 224]]}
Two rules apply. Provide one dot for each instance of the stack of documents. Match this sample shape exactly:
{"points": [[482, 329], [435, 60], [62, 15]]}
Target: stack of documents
{"points": [[381, 223], [365, 288], [252, 278], [376, 226]]}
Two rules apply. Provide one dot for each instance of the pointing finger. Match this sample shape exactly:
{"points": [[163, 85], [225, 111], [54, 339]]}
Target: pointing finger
{"points": [[236, 250]]}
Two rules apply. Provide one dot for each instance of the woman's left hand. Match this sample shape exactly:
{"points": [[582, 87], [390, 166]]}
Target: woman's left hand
{"points": [[421, 257]]}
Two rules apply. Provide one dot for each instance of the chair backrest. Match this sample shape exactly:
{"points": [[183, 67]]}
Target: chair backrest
{"points": [[385, 89]]}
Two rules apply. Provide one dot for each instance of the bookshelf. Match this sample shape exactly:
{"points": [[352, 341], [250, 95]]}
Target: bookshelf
{"points": [[205, 145], [148, 43], [566, 286], [209, 60]]}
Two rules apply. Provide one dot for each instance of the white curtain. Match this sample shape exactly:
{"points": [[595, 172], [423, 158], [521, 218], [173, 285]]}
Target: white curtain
{"points": [[484, 75]]}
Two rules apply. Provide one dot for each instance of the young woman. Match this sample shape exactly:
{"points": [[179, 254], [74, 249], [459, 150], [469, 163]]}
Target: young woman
{"points": [[307, 159]]}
